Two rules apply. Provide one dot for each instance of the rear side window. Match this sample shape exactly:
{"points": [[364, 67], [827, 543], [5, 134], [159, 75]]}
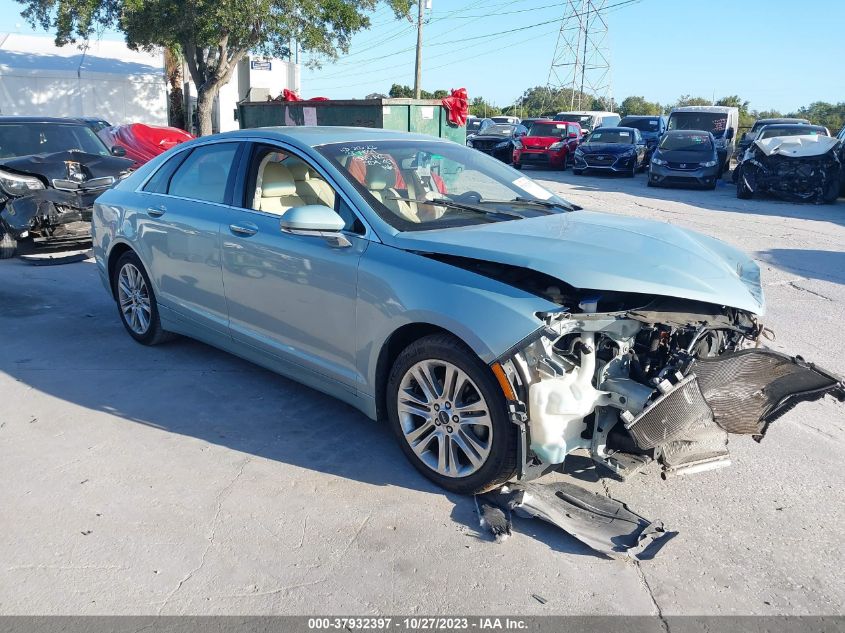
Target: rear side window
{"points": [[205, 173], [161, 179]]}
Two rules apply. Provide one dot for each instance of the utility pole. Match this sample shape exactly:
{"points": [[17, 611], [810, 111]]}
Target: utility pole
{"points": [[418, 67]]}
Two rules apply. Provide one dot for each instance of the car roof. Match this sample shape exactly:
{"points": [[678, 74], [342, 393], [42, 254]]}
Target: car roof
{"points": [[642, 116], [40, 119], [586, 112], [794, 125], [314, 136], [782, 120], [715, 109], [616, 127]]}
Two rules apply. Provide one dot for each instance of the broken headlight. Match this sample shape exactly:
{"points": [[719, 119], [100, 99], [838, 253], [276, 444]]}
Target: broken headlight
{"points": [[16, 185]]}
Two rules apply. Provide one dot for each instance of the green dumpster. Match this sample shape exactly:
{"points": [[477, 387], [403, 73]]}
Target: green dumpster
{"points": [[425, 116]]}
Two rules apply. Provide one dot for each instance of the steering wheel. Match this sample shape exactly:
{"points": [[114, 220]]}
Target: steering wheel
{"points": [[472, 197]]}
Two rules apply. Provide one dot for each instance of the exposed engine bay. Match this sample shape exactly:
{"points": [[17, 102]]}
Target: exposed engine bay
{"points": [[666, 382], [793, 168], [48, 198]]}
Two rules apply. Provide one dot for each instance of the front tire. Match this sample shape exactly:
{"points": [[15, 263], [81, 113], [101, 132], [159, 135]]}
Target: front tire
{"points": [[136, 302], [450, 416]]}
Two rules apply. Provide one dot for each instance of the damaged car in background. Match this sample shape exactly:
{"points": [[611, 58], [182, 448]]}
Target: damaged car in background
{"points": [[794, 162], [498, 328], [51, 170]]}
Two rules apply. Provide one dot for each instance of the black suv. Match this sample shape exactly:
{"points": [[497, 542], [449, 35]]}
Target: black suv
{"points": [[51, 170]]}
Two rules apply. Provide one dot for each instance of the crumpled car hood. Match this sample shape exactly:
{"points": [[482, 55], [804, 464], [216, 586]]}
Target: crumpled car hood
{"points": [[51, 166], [797, 146], [598, 251]]}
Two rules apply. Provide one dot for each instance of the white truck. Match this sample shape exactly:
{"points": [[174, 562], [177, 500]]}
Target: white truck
{"points": [[721, 121]]}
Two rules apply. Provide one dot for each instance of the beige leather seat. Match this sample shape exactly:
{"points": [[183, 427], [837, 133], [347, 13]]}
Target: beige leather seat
{"points": [[377, 183], [278, 190], [310, 186]]}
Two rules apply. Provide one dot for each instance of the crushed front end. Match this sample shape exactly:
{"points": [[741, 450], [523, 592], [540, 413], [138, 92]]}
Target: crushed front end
{"points": [[666, 382], [796, 169], [48, 199]]}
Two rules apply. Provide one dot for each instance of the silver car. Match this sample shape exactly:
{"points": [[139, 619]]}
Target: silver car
{"points": [[496, 327]]}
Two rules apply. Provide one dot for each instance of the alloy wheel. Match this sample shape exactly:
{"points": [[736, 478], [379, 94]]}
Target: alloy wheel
{"points": [[444, 418], [134, 299]]}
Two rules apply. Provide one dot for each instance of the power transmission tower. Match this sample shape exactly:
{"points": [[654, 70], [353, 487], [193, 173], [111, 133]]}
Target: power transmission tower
{"points": [[581, 63]]}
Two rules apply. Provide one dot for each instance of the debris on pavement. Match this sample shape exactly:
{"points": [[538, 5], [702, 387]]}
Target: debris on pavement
{"points": [[602, 523]]}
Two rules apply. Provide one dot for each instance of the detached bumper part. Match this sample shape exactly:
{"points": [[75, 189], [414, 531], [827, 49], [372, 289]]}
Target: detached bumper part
{"points": [[749, 389], [739, 392], [602, 523]]}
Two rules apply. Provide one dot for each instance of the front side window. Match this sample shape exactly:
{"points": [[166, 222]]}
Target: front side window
{"points": [[205, 173], [426, 185], [278, 181], [25, 139]]}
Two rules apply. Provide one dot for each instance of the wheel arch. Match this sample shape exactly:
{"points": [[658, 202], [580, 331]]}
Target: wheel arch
{"points": [[398, 340], [117, 251]]}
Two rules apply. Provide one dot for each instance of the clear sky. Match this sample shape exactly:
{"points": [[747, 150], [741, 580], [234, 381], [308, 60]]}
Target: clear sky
{"points": [[773, 53]]}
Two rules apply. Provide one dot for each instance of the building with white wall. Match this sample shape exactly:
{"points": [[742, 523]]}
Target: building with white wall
{"points": [[107, 80], [102, 78]]}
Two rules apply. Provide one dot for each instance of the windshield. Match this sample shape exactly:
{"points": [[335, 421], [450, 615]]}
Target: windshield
{"points": [[772, 130], [25, 139], [500, 129], [690, 142], [474, 125], [713, 122], [611, 136], [416, 186], [643, 125], [557, 130], [584, 120]]}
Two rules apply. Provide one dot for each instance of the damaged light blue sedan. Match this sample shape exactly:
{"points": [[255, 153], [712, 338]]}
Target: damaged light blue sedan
{"points": [[497, 327]]}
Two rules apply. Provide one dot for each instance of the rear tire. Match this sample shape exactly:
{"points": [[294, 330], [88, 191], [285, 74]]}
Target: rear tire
{"points": [[425, 415], [136, 302], [8, 246]]}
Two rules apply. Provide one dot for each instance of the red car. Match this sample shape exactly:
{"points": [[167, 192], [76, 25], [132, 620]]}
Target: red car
{"points": [[549, 143], [143, 142]]}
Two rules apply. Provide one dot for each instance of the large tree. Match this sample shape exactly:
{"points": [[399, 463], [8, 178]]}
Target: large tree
{"points": [[213, 35], [639, 105]]}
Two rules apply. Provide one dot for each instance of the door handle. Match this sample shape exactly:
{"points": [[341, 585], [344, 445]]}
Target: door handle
{"points": [[243, 230], [156, 212]]}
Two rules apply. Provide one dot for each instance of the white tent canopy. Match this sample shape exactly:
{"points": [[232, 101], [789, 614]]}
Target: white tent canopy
{"points": [[102, 79]]}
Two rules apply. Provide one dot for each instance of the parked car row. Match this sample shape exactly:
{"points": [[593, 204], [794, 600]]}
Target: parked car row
{"points": [[692, 147]]}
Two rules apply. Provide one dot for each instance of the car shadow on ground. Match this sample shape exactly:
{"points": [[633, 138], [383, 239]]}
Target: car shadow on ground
{"points": [[65, 340], [814, 264], [723, 198]]}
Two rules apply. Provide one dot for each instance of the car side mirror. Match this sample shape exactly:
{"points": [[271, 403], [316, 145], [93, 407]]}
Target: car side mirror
{"points": [[312, 218], [729, 134], [118, 150], [744, 136], [573, 135]]}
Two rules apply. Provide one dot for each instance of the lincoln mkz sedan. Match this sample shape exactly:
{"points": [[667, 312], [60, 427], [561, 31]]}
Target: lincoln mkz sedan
{"points": [[497, 327]]}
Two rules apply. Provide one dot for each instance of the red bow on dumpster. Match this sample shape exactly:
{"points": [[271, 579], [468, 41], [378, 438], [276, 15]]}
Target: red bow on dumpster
{"points": [[457, 106], [290, 95]]}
